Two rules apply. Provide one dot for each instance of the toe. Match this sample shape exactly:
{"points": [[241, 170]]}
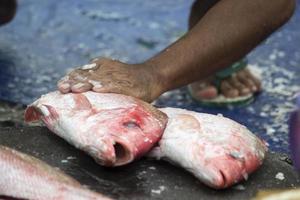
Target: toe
{"points": [[228, 90], [209, 92], [256, 81], [203, 90], [243, 89], [247, 81]]}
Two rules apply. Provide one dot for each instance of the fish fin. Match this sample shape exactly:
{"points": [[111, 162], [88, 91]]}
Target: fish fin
{"points": [[155, 153]]}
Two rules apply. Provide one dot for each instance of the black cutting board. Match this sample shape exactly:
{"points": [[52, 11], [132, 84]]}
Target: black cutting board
{"points": [[143, 179]]}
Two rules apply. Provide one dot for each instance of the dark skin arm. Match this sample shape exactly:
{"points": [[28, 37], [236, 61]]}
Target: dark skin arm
{"points": [[226, 33]]}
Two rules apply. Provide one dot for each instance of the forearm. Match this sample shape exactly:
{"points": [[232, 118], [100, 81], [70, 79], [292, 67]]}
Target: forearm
{"points": [[227, 32]]}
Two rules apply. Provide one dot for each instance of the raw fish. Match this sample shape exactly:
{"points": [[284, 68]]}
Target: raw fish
{"points": [[114, 129], [25, 177], [217, 150]]}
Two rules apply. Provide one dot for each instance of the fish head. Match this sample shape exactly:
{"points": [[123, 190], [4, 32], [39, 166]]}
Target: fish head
{"points": [[54, 105], [115, 137]]}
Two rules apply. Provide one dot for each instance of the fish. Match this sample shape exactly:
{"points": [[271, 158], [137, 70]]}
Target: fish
{"points": [[114, 129], [218, 151], [26, 177]]}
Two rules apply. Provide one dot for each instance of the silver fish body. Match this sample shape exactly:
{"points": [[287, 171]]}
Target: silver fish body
{"points": [[25, 177], [217, 150]]}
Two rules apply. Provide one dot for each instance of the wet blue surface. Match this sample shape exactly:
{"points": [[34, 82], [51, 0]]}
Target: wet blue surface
{"points": [[49, 37]]}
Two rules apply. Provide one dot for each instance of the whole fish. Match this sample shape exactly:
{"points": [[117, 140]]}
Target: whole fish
{"points": [[113, 128], [25, 177], [217, 150]]}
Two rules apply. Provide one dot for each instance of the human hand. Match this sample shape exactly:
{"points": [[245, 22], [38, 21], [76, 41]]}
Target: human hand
{"points": [[111, 76]]}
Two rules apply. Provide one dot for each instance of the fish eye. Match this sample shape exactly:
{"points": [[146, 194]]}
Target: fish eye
{"points": [[131, 124]]}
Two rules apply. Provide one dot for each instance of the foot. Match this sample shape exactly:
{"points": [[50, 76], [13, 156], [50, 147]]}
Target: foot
{"points": [[241, 83]]}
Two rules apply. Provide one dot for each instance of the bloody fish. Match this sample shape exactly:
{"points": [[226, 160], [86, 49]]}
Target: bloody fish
{"points": [[25, 177], [114, 129], [217, 150]]}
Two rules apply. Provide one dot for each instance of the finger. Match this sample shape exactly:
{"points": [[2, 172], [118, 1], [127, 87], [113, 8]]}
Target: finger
{"points": [[63, 84], [78, 76], [81, 87], [95, 84], [64, 87]]}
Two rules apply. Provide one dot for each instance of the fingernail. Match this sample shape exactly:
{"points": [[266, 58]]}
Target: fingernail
{"points": [[78, 85], [64, 86]]}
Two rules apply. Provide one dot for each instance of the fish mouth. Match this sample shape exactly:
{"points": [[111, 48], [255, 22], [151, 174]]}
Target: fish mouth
{"points": [[123, 154], [117, 154]]}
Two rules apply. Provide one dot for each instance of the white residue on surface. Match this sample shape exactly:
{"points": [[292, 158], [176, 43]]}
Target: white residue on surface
{"points": [[152, 168], [71, 158], [159, 190], [270, 130], [276, 83], [280, 176], [239, 187]]}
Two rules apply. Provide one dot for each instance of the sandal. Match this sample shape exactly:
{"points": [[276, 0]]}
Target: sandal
{"points": [[221, 100]]}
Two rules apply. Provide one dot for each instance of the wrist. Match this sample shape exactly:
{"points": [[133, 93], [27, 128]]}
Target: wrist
{"points": [[158, 82]]}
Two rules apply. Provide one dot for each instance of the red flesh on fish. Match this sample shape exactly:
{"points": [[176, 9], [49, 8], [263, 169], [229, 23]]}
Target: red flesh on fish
{"points": [[114, 129], [217, 150], [25, 177]]}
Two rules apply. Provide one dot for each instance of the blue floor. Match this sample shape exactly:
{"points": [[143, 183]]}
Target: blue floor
{"points": [[49, 37]]}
